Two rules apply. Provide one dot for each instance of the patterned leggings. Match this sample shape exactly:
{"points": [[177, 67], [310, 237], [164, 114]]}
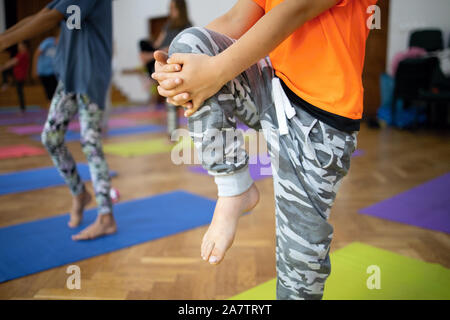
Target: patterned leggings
{"points": [[63, 108]]}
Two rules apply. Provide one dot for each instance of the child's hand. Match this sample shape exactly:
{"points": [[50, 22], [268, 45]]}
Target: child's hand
{"points": [[161, 69], [2, 46], [161, 63], [200, 77]]}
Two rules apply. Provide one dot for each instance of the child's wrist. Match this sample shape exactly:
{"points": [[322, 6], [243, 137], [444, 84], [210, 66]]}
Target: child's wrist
{"points": [[223, 70], [2, 45], [6, 41]]}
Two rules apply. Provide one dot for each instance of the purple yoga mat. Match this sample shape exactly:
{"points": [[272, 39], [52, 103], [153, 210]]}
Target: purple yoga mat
{"points": [[426, 206], [358, 153], [23, 120], [31, 114], [259, 168]]}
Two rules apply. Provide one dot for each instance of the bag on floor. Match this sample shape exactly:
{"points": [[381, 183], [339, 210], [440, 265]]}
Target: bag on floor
{"points": [[404, 118]]}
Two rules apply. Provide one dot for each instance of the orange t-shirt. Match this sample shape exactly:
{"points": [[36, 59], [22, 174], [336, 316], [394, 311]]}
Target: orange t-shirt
{"points": [[322, 61]]}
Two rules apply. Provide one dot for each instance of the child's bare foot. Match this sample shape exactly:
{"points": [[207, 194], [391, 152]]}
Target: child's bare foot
{"points": [[104, 225], [220, 235], [78, 204]]}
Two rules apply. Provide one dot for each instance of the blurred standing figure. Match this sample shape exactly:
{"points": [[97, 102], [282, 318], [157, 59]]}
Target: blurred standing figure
{"points": [[83, 66], [178, 21], [44, 65], [20, 64], [6, 75]]}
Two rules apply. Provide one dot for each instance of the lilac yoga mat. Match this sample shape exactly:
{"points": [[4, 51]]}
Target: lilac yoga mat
{"points": [[426, 206], [358, 153]]}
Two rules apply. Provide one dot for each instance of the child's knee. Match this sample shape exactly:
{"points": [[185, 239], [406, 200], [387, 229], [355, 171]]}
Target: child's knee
{"points": [[189, 40]]}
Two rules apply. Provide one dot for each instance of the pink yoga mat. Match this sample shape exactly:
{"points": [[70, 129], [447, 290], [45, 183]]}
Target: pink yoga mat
{"points": [[113, 123], [75, 126], [142, 115], [19, 151], [29, 129]]}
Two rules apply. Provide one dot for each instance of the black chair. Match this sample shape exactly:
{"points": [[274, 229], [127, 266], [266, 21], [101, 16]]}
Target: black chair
{"points": [[413, 81], [428, 39]]}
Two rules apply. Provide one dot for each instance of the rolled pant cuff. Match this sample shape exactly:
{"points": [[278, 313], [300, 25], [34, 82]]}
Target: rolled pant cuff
{"points": [[233, 184]]}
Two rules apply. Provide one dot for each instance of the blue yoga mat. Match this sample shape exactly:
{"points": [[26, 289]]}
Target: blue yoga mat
{"points": [[29, 180], [75, 136], [44, 244]]}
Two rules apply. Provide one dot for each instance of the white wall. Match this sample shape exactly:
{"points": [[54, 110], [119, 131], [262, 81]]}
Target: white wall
{"points": [[130, 26], [2, 16], [407, 15]]}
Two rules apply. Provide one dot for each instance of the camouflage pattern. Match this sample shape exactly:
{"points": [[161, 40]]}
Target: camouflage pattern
{"points": [[64, 107], [308, 163]]}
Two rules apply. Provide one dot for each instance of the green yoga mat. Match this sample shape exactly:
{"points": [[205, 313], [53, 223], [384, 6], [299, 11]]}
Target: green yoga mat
{"points": [[142, 148], [401, 278], [149, 147]]}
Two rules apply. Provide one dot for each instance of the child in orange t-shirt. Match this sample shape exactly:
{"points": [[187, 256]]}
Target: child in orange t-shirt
{"points": [[306, 96]]}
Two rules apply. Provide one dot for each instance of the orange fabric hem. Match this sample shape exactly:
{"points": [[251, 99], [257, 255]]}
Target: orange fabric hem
{"points": [[317, 103]]}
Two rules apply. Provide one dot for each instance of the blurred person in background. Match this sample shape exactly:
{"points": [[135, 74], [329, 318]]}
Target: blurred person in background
{"points": [[44, 65], [19, 64], [83, 65]]}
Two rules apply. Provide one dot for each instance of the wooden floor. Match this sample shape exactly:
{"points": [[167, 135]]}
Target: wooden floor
{"points": [[171, 268]]}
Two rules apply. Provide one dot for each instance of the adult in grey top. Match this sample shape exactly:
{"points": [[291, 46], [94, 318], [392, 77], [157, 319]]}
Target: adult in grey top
{"points": [[84, 52]]}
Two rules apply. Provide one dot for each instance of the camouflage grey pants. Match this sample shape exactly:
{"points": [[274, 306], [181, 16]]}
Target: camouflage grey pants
{"points": [[309, 161]]}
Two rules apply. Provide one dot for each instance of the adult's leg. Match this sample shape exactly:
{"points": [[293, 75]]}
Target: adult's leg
{"points": [[220, 146], [20, 94], [6, 75], [313, 158], [91, 121], [49, 83], [62, 110], [53, 84]]}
